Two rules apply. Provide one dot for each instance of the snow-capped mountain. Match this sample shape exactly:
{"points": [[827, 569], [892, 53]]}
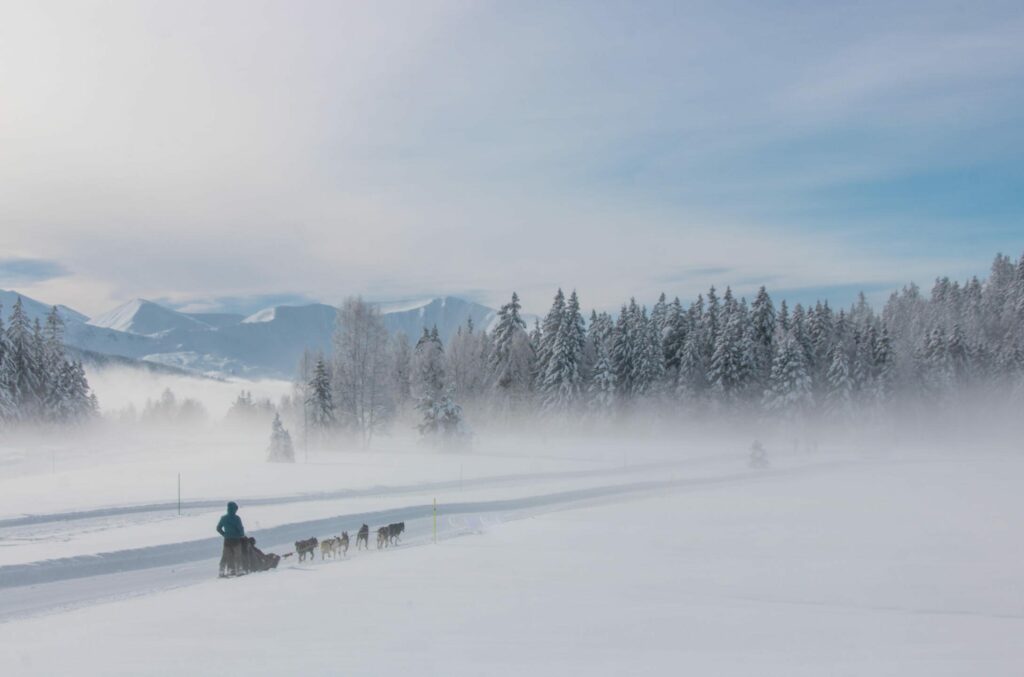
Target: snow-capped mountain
{"points": [[267, 343], [36, 310], [146, 318], [447, 314]]}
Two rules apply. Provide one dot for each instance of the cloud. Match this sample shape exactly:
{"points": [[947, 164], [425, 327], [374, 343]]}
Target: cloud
{"points": [[16, 271], [398, 150]]}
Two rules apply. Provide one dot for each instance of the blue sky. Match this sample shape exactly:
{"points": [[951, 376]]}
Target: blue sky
{"points": [[216, 155]]}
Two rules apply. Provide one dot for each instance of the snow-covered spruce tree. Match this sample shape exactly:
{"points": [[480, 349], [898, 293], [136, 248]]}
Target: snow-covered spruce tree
{"points": [[55, 387], [535, 335], [691, 379], [763, 322], [820, 338], [511, 363], [624, 353], [601, 384], [320, 414], [428, 379], [675, 333], [81, 405], [601, 391], [659, 316], [545, 343], [789, 392], [281, 450], [653, 364], [8, 406], [443, 424], [936, 367], [726, 372], [839, 395], [428, 376], [24, 371], [562, 386]]}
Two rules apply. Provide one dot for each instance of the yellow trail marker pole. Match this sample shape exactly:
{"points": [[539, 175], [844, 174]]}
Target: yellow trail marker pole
{"points": [[435, 520]]}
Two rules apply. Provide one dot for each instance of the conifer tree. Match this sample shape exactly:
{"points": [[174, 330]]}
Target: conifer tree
{"points": [[562, 384], [511, 362], [838, 399], [280, 450], [790, 392], [320, 403]]}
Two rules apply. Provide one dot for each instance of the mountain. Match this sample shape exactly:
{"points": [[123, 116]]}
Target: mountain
{"points": [[268, 343], [146, 318], [447, 314], [36, 310]]}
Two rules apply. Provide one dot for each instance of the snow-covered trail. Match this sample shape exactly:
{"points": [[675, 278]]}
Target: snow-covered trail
{"points": [[417, 488], [39, 587], [99, 530], [881, 566]]}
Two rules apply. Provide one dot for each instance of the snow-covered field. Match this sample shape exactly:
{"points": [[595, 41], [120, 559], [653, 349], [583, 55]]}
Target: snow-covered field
{"points": [[553, 558]]}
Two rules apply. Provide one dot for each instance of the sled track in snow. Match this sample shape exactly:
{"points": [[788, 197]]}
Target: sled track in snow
{"points": [[381, 490], [183, 553]]}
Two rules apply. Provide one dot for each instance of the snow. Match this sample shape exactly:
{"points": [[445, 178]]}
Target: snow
{"points": [[265, 315], [404, 306], [897, 565], [146, 318]]}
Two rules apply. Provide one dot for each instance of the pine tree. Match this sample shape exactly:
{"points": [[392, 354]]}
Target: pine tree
{"points": [[511, 362], [676, 329], [545, 346], [763, 323], [726, 373], [8, 405], [54, 385], [562, 384], [443, 422], [691, 380], [24, 369], [428, 376], [281, 450], [320, 412], [789, 391], [838, 400], [624, 353]]}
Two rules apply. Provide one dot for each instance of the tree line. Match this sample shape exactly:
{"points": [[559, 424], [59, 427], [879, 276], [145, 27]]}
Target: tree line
{"points": [[719, 352], [38, 383]]}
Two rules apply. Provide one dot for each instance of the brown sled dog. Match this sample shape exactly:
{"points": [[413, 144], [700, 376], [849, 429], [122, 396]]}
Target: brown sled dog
{"points": [[383, 537]]}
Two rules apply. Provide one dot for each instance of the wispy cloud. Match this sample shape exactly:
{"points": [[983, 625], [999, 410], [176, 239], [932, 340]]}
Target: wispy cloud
{"points": [[16, 271]]}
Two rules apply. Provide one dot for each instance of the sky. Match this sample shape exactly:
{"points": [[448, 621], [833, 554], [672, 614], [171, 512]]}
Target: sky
{"points": [[218, 156]]}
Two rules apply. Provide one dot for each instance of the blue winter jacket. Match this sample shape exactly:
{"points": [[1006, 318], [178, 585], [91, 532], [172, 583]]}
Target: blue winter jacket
{"points": [[230, 525]]}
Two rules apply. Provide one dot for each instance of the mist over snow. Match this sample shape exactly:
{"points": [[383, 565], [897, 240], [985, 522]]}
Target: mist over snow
{"points": [[467, 339], [120, 388]]}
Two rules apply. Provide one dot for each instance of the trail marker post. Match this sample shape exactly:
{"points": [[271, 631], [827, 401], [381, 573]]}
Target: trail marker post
{"points": [[435, 520], [179, 494]]}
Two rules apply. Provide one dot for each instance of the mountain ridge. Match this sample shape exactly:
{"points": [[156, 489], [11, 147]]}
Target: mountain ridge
{"points": [[268, 343]]}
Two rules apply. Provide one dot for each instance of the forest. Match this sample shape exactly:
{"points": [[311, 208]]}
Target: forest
{"points": [[717, 355]]}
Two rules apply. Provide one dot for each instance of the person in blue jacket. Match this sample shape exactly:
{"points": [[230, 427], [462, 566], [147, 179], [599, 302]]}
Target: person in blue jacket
{"points": [[230, 527]]}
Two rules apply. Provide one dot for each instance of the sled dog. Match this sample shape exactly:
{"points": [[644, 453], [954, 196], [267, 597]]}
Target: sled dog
{"points": [[394, 531], [306, 547]]}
